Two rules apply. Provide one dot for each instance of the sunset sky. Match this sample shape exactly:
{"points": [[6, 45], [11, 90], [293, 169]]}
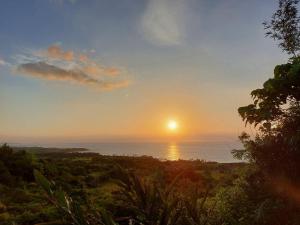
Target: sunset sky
{"points": [[102, 69]]}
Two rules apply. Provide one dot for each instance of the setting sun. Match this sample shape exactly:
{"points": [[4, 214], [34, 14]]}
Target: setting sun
{"points": [[172, 125]]}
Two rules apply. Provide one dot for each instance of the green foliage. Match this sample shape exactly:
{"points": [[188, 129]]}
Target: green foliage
{"points": [[69, 208], [275, 150], [149, 202], [93, 189], [233, 205], [270, 102], [19, 164], [196, 210], [5, 175], [276, 109]]}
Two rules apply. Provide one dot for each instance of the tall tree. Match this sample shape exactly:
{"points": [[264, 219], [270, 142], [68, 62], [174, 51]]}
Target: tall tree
{"points": [[284, 27], [276, 106], [275, 110]]}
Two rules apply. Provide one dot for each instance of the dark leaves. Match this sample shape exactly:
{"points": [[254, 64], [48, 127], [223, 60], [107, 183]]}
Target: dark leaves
{"points": [[284, 27]]}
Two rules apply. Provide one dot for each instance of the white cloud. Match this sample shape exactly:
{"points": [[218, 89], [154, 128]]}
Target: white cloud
{"points": [[163, 21]]}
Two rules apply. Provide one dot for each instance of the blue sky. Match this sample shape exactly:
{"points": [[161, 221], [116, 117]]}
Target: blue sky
{"points": [[111, 68]]}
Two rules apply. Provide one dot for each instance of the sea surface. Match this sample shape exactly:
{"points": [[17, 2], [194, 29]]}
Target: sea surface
{"points": [[208, 151], [219, 151]]}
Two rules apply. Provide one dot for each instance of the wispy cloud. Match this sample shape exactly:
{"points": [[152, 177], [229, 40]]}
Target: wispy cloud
{"points": [[55, 51], [163, 21], [54, 63], [50, 72]]}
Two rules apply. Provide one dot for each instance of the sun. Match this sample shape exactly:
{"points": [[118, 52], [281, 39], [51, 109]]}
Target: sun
{"points": [[172, 125]]}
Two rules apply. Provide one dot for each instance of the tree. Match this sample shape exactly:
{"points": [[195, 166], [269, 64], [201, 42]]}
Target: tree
{"points": [[19, 164], [276, 106], [275, 110], [284, 27]]}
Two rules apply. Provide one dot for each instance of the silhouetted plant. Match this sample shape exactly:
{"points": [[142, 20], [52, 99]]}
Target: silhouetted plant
{"points": [[275, 149], [276, 109], [284, 26], [149, 201], [196, 211]]}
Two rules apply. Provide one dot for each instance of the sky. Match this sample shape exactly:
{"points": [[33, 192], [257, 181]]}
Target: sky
{"points": [[111, 69]]}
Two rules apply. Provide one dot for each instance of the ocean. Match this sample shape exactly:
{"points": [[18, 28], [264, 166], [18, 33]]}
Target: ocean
{"points": [[211, 150], [219, 151], [208, 151]]}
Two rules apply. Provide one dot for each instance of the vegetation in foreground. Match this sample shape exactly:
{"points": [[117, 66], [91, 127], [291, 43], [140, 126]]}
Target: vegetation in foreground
{"points": [[87, 188]]}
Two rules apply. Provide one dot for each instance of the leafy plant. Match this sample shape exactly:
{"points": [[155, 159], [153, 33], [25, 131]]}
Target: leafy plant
{"points": [[70, 209], [149, 202]]}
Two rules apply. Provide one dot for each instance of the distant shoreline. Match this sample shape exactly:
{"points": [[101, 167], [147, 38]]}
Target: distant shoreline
{"points": [[43, 150]]}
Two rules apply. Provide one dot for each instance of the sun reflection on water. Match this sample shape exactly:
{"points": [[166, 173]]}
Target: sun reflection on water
{"points": [[173, 151]]}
